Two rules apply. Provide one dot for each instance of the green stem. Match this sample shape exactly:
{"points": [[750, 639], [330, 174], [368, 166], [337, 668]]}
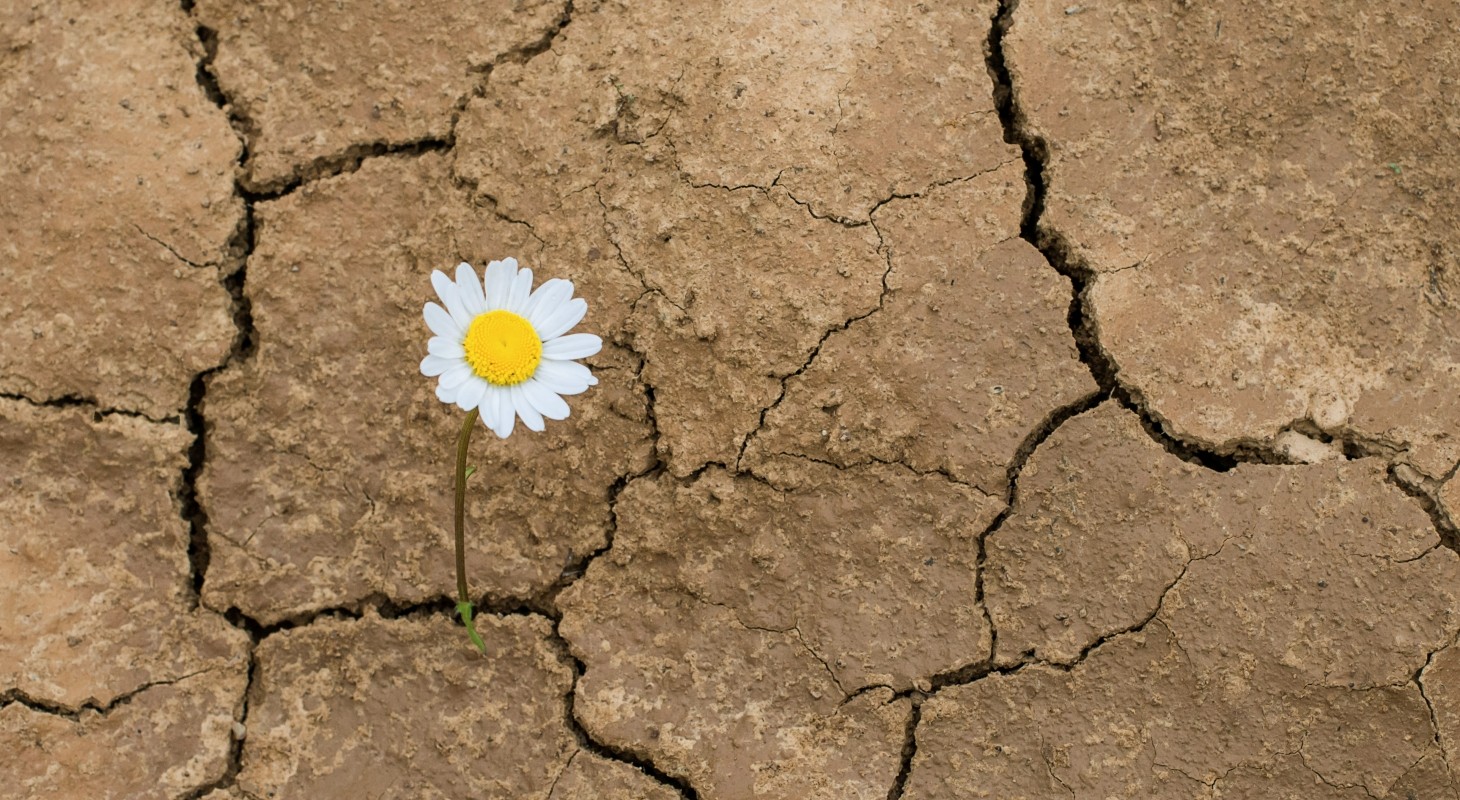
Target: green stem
{"points": [[463, 599]]}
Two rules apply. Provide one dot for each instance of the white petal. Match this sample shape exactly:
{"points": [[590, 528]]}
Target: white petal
{"points": [[445, 348], [545, 400], [470, 395], [456, 375], [470, 289], [563, 377], [562, 319], [503, 412], [491, 409], [434, 365], [574, 345], [451, 298], [530, 417], [441, 322], [546, 300], [498, 283], [444, 394], [488, 407], [520, 291]]}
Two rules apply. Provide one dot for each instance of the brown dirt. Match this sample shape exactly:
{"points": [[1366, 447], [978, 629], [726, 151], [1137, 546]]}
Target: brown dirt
{"points": [[1015, 400]]}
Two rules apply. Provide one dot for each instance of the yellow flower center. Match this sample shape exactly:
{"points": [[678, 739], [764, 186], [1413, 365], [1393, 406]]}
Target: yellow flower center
{"points": [[502, 348]]}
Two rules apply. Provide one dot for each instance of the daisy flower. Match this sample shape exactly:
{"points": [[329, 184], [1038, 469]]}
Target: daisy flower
{"points": [[503, 348]]}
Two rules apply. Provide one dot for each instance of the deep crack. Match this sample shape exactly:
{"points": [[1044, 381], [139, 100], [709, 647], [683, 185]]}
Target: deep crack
{"points": [[1056, 250], [1426, 492], [238, 249], [909, 750]]}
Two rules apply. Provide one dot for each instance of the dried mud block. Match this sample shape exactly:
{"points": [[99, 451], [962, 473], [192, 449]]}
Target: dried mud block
{"points": [[1339, 579], [1265, 190], [737, 711], [329, 470], [96, 555], [1326, 551], [969, 352], [873, 569], [1302, 603], [118, 207], [1041, 732], [334, 81], [166, 741], [1138, 719], [406, 708], [1369, 738], [741, 286], [1088, 552], [844, 107]]}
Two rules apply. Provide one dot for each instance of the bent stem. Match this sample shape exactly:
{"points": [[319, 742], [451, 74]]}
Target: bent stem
{"points": [[463, 600]]}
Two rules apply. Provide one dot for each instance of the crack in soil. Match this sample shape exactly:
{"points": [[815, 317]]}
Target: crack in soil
{"points": [[816, 350], [909, 750], [169, 248], [1426, 491], [1056, 250], [99, 412], [73, 713], [638, 761], [1419, 682], [235, 744]]}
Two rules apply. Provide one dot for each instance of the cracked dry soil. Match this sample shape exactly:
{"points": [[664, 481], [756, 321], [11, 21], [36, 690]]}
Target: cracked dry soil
{"points": [[1001, 400]]}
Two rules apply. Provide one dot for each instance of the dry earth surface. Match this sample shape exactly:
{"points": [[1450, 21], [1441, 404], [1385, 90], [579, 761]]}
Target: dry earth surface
{"points": [[1018, 399]]}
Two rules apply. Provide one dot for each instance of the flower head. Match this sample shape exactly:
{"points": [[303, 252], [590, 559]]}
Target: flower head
{"points": [[504, 349]]}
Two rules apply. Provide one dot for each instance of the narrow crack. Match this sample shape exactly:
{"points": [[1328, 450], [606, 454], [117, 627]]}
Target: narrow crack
{"points": [[91, 705], [245, 342], [909, 751], [345, 162], [868, 461], [576, 568], [98, 411], [1419, 682], [239, 734], [1046, 754], [816, 350], [638, 761], [1025, 451], [169, 248]]}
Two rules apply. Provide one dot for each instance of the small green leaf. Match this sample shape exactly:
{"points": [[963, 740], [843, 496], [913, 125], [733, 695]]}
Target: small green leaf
{"points": [[470, 470], [1395, 168], [464, 609]]}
